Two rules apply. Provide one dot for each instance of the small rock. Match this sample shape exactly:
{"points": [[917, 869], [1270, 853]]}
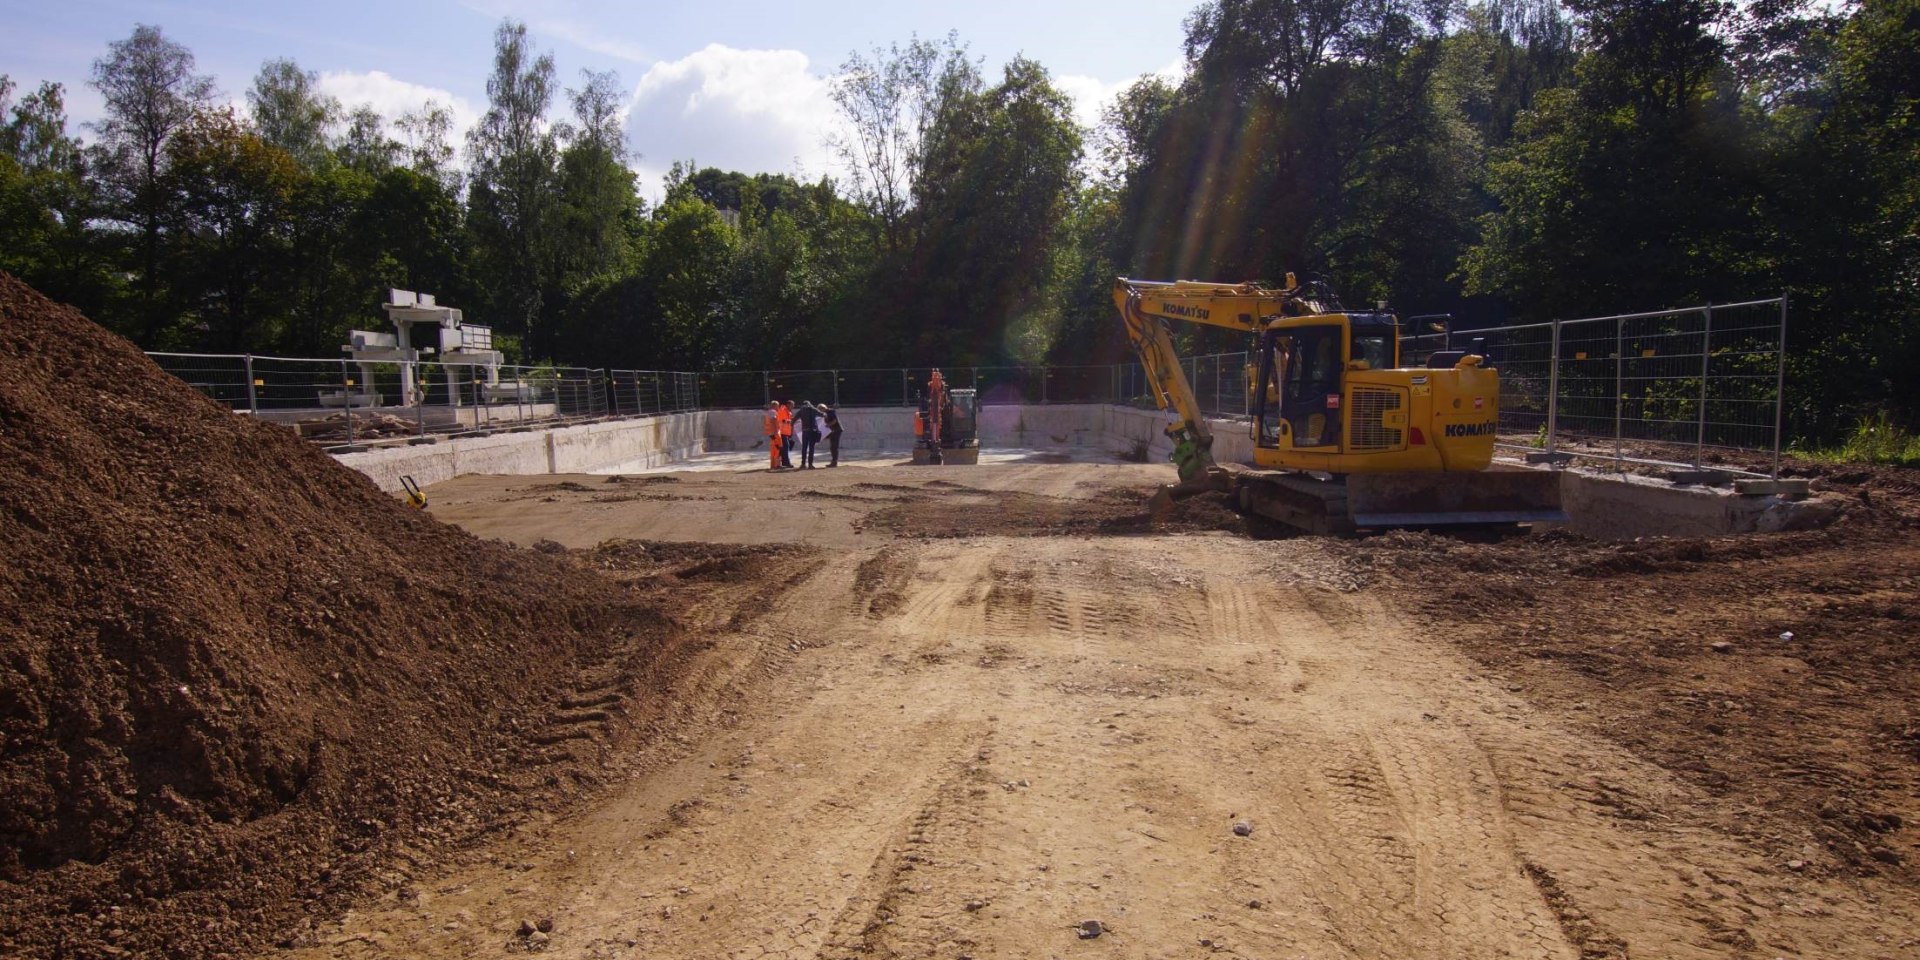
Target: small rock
{"points": [[1884, 855], [1242, 828], [527, 928], [1722, 646], [1796, 865], [537, 941], [974, 905], [1786, 637], [1090, 929], [545, 925], [1254, 904]]}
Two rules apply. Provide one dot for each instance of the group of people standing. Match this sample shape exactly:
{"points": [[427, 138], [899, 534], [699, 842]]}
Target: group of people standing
{"points": [[815, 419]]}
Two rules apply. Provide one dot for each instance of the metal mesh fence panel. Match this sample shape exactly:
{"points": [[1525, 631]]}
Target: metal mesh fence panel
{"points": [[1089, 384], [1010, 385], [872, 388], [798, 385], [733, 390], [1662, 386]]}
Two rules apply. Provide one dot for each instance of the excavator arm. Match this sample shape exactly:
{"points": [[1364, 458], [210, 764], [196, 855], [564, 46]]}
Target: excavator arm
{"points": [[1146, 307]]}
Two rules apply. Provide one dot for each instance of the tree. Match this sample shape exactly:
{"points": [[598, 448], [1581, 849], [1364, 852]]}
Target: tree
{"points": [[36, 135], [229, 208], [512, 200], [291, 113], [890, 100], [47, 202], [1631, 187], [365, 146], [599, 207], [425, 142], [151, 91], [998, 169]]}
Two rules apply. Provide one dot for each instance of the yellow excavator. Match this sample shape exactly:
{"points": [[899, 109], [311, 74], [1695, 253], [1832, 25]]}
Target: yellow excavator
{"points": [[1345, 439]]}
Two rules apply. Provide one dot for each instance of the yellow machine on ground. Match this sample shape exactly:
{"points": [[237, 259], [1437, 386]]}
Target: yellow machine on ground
{"points": [[1344, 438]]}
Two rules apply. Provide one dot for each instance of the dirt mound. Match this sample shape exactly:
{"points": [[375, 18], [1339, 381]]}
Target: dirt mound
{"points": [[233, 671]]}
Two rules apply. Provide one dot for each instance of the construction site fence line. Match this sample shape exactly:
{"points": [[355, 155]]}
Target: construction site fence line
{"points": [[1697, 382]]}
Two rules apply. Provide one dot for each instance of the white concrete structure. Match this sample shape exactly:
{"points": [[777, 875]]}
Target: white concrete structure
{"points": [[1601, 504], [646, 443], [639, 443]]}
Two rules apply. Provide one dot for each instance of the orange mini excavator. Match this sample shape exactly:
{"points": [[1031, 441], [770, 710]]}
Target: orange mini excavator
{"points": [[944, 429]]}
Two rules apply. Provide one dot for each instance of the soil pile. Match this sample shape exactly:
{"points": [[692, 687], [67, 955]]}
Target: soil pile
{"points": [[233, 672]]}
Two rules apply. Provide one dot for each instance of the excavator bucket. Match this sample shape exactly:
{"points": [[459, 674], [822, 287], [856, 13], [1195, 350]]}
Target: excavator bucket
{"points": [[1495, 496]]}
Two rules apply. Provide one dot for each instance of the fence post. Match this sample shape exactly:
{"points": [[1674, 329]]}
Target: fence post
{"points": [[1045, 372], [836, 388], [656, 396], [766, 387], [1553, 394], [1249, 381], [253, 404], [346, 385], [1619, 384], [906, 393], [419, 400], [1779, 385], [695, 379], [1216, 384], [1706, 355]]}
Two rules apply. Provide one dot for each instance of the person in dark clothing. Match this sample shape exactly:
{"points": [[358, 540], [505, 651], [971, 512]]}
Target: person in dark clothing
{"points": [[832, 419], [809, 417]]}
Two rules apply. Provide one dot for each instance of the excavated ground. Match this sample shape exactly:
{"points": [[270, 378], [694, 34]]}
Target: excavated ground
{"points": [[997, 702], [251, 706]]}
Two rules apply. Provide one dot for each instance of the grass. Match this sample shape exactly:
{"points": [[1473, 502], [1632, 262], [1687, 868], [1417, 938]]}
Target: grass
{"points": [[1875, 439]]}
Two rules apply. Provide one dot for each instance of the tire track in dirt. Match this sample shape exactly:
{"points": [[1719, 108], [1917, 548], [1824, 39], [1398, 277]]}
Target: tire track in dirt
{"points": [[1044, 730]]}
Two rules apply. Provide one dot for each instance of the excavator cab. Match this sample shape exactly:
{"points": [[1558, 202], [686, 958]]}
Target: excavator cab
{"points": [[1302, 375]]}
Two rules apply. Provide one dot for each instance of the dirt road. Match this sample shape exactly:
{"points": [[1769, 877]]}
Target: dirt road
{"points": [[941, 746]]}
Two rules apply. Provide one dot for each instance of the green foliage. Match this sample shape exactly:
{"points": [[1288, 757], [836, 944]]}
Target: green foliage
{"points": [[1875, 439], [1490, 159], [290, 112]]}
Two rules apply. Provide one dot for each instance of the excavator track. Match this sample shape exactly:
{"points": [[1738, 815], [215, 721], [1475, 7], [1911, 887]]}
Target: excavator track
{"points": [[1344, 506]]}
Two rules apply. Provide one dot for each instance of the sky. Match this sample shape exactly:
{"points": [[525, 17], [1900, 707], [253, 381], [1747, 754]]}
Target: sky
{"points": [[729, 84]]}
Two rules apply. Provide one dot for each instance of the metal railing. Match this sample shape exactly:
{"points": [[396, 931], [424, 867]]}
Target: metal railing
{"points": [[1678, 388], [348, 401], [1665, 387]]}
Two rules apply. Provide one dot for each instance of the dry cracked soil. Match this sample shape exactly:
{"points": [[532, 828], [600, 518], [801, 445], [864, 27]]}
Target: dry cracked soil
{"points": [[960, 712]]}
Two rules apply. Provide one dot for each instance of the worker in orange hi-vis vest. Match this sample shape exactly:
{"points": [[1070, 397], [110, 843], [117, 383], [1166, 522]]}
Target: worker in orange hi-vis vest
{"points": [[786, 434], [770, 425]]}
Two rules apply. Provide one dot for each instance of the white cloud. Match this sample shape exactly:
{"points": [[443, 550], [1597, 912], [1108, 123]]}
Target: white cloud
{"points": [[1091, 95], [756, 111], [393, 97]]}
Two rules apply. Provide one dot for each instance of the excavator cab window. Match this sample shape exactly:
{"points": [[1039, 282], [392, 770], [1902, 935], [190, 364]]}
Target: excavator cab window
{"points": [[1310, 387], [1375, 340], [1377, 351]]}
